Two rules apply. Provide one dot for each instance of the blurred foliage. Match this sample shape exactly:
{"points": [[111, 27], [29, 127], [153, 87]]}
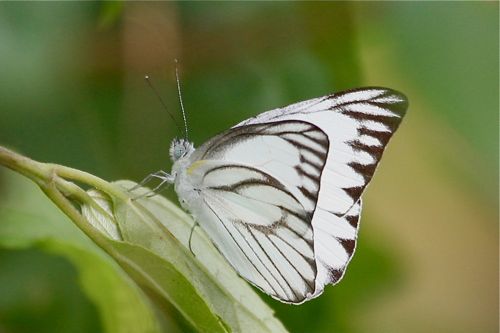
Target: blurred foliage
{"points": [[43, 226], [72, 92], [451, 55], [48, 305]]}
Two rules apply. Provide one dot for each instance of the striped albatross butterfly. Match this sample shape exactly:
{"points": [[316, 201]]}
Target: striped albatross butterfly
{"points": [[279, 194]]}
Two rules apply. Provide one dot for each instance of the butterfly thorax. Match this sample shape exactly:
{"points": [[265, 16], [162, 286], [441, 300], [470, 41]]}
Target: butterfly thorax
{"points": [[180, 153]]}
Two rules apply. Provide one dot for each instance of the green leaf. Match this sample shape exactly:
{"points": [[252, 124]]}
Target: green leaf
{"points": [[148, 239], [27, 219], [160, 226], [151, 244]]}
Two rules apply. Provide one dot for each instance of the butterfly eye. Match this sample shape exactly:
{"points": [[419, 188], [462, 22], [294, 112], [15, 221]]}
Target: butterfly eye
{"points": [[178, 152]]}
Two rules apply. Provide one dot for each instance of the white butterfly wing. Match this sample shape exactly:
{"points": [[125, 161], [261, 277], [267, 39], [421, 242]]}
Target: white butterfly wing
{"points": [[258, 188], [264, 231], [279, 194], [358, 124]]}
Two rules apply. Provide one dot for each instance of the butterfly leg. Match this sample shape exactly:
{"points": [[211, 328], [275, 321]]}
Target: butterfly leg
{"points": [[191, 237], [158, 174], [165, 178], [165, 183]]}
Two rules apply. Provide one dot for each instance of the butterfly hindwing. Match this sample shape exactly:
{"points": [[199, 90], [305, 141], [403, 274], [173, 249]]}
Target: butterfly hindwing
{"points": [[264, 203], [260, 227]]}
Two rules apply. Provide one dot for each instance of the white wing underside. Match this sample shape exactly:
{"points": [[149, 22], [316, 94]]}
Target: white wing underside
{"points": [[280, 193], [265, 233]]}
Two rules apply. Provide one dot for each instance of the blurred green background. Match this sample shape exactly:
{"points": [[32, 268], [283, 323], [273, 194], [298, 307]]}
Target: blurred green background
{"points": [[72, 92]]}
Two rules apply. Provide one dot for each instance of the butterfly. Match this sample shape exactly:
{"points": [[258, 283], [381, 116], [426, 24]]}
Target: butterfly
{"points": [[279, 194]]}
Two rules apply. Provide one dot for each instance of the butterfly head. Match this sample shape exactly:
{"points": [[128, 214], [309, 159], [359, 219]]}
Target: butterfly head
{"points": [[180, 148]]}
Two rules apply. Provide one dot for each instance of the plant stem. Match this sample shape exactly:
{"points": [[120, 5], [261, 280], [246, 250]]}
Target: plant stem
{"points": [[52, 179], [43, 172]]}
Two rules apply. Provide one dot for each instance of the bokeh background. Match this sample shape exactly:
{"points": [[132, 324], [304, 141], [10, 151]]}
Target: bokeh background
{"points": [[72, 92]]}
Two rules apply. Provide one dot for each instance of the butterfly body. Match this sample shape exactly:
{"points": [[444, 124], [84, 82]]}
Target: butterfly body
{"points": [[279, 194]]}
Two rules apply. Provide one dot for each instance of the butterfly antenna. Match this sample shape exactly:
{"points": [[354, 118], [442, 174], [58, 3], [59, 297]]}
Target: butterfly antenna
{"points": [[148, 80], [180, 99]]}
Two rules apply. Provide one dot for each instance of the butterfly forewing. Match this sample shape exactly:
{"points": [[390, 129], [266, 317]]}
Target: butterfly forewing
{"points": [[358, 124], [279, 194]]}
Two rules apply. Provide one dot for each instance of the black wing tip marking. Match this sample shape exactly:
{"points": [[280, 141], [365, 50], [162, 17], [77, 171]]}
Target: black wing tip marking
{"points": [[348, 244], [355, 191], [395, 102], [365, 170], [382, 136], [390, 99], [353, 220], [400, 105], [335, 275]]}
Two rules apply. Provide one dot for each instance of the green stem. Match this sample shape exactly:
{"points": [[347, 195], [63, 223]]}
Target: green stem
{"points": [[89, 179], [36, 171], [67, 208], [52, 179], [43, 172], [72, 190]]}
